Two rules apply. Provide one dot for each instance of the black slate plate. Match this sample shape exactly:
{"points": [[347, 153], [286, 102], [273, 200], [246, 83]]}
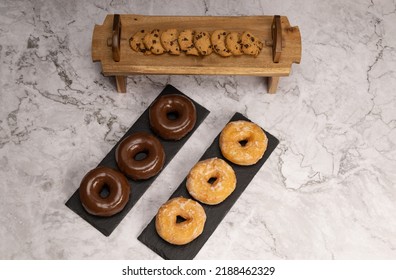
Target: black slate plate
{"points": [[214, 213], [107, 225]]}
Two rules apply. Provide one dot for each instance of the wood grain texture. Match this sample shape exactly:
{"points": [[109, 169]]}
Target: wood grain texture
{"points": [[277, 39], [272, 84], [121, 83], [132, 62]]}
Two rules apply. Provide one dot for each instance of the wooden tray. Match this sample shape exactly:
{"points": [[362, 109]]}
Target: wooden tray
{"points": [[282, 47]]}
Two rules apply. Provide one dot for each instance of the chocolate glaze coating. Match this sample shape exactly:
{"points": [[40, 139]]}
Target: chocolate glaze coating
{"points": [[140, 142], [172, 129], [93, 183]]}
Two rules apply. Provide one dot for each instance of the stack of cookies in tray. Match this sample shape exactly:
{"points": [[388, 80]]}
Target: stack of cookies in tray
{"points": [[196, 43]]}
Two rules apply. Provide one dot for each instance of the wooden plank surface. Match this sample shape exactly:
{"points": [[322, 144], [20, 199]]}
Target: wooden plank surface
{"points": [[132, 62]]}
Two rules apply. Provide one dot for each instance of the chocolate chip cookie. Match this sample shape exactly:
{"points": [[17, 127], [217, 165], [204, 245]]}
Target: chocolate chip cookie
{"points": [[233, 43], [136, 42], [250, 44], [169, 41], [186, 42], [202, 43], [218, 41], [153, 43]]}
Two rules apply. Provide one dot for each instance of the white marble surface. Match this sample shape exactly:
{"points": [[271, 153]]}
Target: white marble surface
{"points": [[327, 192]]}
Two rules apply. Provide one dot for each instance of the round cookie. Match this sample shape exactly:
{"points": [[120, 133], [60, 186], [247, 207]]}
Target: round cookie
{"points": [[250, 44], [186, 43], [153, 43], [218, 42], [169, 41], [136, 42], [202, 43], [233, 43]]}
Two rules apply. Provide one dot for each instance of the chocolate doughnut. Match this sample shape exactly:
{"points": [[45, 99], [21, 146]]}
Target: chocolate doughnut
{"points": [[184, 116], [92, 186], [128, 152]]}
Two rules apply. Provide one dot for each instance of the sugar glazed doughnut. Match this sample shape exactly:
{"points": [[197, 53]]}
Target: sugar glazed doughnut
{"points": [[243, 142], [130, 149], [211, 181], [184, 232], [93, 184], [184, 116]]}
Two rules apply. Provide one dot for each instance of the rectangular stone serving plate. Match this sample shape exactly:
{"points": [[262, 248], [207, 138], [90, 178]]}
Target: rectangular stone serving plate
{"points": [[214, 213], [106, 225]]}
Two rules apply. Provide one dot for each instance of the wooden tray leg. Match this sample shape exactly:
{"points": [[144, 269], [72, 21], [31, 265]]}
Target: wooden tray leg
{"points": [[121, 82], [272, 84]]}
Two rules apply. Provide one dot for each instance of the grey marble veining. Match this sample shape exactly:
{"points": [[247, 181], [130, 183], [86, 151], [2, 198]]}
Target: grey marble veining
{"points": [[327, 192]]}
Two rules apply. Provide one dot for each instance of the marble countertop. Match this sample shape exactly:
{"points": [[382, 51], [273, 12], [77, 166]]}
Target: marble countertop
{"points": [[327, 192]]}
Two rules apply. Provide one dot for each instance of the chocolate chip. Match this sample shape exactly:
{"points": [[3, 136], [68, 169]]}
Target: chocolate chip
{"points": [[142, 30], [154, 41], [155, 35], [224, 33], [218, 36], [248, 35], [252, 39]]}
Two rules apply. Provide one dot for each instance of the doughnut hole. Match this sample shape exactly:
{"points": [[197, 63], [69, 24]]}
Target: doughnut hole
{"points": [[243, 142], [141, 155], [212, 180], [172, 115], [104, 191], [180, 219]]}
